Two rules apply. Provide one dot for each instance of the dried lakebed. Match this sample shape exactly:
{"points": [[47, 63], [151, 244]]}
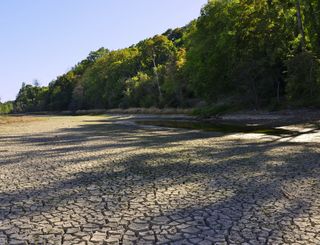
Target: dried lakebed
{"points": [[106, 180]]}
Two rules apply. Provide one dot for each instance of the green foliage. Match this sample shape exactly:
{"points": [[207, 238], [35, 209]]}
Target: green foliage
{"points": [[253, 53], [140, 91], [304, 80], [241, 48], [6, 108], [104, 81], [67, 92], [237, 48], [30, 98], [211, 50], [214, 110]]}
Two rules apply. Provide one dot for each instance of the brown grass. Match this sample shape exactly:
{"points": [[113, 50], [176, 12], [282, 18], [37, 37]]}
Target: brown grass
{"points": [[152, 110], [17, 119]]}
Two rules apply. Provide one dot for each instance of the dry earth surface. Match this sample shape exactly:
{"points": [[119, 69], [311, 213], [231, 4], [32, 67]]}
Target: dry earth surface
{"points": [[105, 180]]}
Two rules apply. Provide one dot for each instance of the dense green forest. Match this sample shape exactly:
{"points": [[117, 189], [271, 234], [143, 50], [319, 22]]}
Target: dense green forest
{"points": [[237, 54]]}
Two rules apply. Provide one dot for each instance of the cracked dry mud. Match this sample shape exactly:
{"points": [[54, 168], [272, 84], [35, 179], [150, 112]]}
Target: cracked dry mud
{"points": [[92, 180]]}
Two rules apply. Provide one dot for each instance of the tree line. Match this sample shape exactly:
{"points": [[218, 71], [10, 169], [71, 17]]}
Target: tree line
{"points": [[6, 108], [237, 54]]}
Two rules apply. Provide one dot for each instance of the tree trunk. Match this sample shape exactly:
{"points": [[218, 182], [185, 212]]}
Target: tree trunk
{"points": [[314, 25], [278, 91], [157, 75], [300, 25]]}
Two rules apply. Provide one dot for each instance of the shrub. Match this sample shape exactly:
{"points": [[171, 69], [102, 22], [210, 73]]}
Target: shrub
{"points": [[303, 80]]}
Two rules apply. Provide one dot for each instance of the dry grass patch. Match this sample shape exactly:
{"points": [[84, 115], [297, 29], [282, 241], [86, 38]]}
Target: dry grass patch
{"points": [[152, 110], [17, 119]]}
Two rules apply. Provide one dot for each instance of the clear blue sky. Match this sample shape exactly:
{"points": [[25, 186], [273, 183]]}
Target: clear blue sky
{"points": [[41, 39]]}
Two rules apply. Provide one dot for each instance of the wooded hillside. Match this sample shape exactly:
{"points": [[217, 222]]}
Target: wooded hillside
{"points": [[237, 54]]}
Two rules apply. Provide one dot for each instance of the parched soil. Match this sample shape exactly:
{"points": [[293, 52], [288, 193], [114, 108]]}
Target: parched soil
{"points": [[107, 180]]}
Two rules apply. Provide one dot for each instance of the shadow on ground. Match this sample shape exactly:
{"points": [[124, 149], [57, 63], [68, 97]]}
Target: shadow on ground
{"points": [[208, 186]]}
